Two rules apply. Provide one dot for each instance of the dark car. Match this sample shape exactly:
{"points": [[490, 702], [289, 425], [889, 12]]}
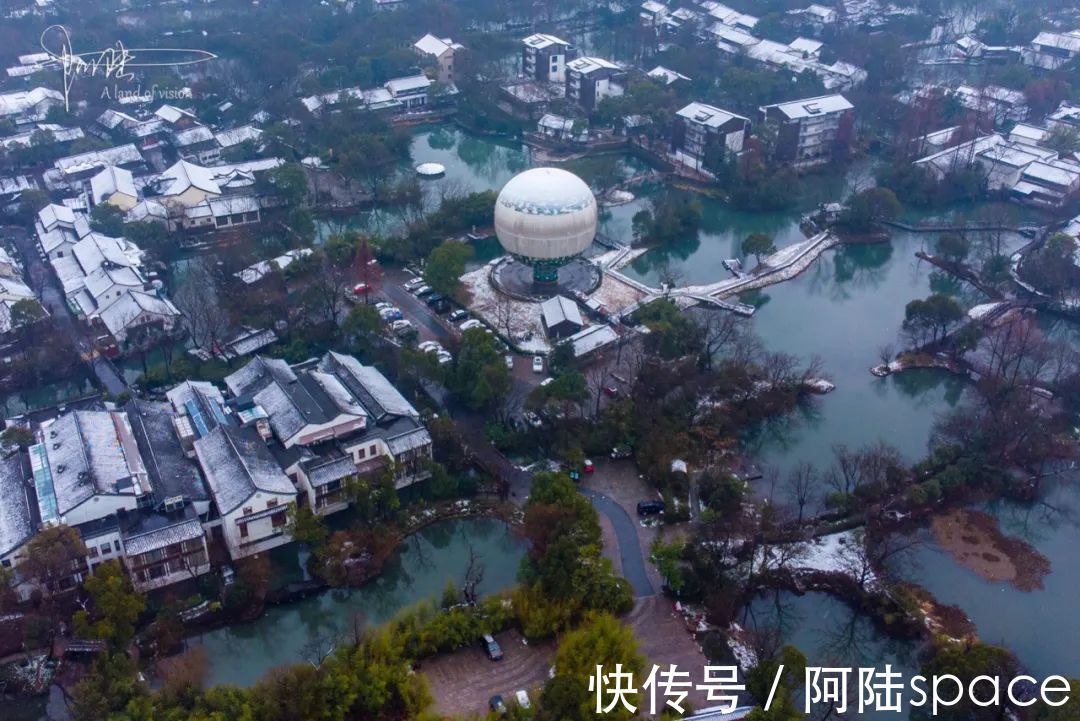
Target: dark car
{"points": [[650, 508], [611, 391], [497, 704], [441, 306], [622, 452], [458, 314], [434, 298], [492, 647]]}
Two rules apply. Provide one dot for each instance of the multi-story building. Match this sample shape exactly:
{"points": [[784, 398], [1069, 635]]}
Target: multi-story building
{"points": [[330, 420], [121, 479], [544, 58], [702, 132], [150, 483], [438, 53], [590, 80], [812, 131]]}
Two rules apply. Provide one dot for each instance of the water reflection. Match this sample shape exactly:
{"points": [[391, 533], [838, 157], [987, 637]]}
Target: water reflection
{"points": [[428, 560], [830, 633], [1041, 627]]}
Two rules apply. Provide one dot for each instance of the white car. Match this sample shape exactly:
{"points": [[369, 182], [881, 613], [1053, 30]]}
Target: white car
{"points": [[533, 419], [510, 362], [522, 698], [538, 364], [430, 346], [411, 284], [391, 312], [400, 325], [383, 304], [470, 324], [547, 381], [420, 290], [444, 356]]}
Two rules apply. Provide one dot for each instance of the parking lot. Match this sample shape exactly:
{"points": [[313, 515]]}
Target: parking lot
{"points": [[463, 682]]}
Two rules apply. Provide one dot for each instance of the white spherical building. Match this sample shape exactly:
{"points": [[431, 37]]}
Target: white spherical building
{"points": [[545, 217]]}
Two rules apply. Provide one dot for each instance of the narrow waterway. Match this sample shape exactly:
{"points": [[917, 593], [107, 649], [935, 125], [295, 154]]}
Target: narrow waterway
{"points": [[242, 653]]}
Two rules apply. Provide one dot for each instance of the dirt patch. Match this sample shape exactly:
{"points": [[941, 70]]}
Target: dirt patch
{"points": [[975, 540]]}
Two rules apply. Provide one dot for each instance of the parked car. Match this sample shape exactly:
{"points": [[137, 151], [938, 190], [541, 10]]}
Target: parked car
{"points": [[459, 314], [522, 698], [492, 647], [434, 298], [389, 314], [470, 324], [441, 306], [622, 452], [588, 466], [538, 364], [444, 356], [228, 576], [546, 382], [430, 346], [383, 304], [510, 362], [611, 391], [410, 285], [423, 290], [497, 705], [361, 289], [399, 325], [650, 508], [533, 420]]}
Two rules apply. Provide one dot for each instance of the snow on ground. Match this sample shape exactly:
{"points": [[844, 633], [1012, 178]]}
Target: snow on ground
{"points": [[494, 309], [615, 295], [827, 553], [744, 655], [982, 310], [787, 254]]}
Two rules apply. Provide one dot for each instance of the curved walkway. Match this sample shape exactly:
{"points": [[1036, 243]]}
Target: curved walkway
{"points": [[633, 560]]}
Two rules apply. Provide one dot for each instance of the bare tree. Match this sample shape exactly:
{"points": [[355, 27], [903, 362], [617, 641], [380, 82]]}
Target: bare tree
{"points": [[200, 309], [474, 576], [803, 481], [319, 649], [720, 329], [886, 354]]}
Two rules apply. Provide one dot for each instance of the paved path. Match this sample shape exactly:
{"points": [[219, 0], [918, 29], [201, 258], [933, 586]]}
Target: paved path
{"points": [[633, 559], [52, 297]]}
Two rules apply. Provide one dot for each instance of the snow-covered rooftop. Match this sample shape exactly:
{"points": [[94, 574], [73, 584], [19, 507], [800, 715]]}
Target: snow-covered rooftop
{"points": [[237, 464]]}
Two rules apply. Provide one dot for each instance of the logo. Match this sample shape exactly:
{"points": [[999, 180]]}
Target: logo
{"points": [[114, 62]]}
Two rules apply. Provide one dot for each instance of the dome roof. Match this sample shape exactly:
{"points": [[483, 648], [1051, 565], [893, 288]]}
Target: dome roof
{"points": [[545, 214]]}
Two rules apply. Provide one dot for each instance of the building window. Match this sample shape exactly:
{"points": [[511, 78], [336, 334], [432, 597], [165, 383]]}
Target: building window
{"points": [[371, 450], [6, 563], [361, 453], [278, 520], [271, 503], [243, 530], [247, 510], [91, 553], [116, 546], [106, 549]]}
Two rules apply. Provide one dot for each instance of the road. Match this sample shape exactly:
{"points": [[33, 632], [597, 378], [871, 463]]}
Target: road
{"points": [[472, 426], [52, 297], [630, 553]]}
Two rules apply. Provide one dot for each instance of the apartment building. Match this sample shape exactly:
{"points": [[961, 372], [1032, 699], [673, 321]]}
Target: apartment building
{"points": [[811, 131], [705, 132], [544, 58]]}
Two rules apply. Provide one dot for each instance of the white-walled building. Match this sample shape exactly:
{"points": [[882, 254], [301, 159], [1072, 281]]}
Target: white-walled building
{"points": [[251, 492]]}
